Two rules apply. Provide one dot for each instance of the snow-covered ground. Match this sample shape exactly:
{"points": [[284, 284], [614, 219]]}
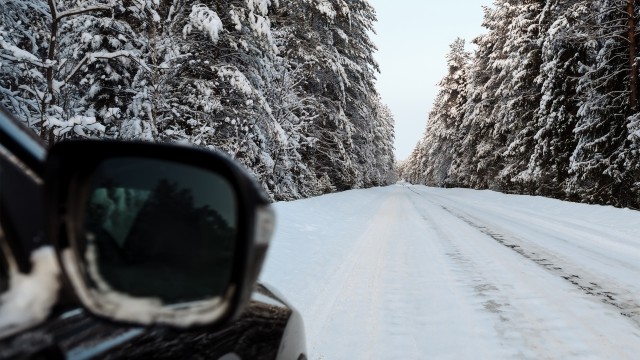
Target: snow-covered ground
{"points": [[410, 272]]}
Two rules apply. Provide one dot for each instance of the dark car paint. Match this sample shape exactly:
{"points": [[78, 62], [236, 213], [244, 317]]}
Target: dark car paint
{"points": [[269, 328], [21, 209]]}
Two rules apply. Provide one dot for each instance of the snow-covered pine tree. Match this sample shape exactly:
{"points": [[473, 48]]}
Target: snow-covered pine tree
{"points": [[383, 170], [479, 159], [325, 44], [101, 53], [24, 27], [517, 107], [293, 112], [36, 66], [443, 133], [564, 48], [409, 168], [310, 72], [208, 68], [355, 49], [600, 168]]}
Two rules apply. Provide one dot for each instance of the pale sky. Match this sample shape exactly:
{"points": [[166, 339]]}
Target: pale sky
{"points": [[413, 38]]}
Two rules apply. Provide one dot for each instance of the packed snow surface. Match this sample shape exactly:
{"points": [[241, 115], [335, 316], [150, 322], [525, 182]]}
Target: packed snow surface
{"points": [[411, 272]]}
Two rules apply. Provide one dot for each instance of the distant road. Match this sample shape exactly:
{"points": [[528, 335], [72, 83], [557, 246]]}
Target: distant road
{"points": [[410, 272]]}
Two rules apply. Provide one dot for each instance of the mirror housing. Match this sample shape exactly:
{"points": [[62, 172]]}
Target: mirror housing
{"points": [[110, 276]]}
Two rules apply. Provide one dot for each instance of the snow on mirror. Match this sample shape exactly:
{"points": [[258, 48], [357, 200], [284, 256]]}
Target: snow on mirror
{"points": [[158, 236], [26, 299]]}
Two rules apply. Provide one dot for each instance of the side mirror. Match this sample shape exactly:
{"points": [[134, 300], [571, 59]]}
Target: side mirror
{"points": [[156, 234]]}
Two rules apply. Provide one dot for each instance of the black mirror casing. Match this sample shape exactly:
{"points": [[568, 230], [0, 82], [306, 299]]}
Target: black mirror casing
{"points": [[68, 172]]}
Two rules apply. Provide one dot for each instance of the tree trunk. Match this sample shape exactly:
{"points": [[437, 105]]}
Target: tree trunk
{"points": [[631, 28], [50, 100]]}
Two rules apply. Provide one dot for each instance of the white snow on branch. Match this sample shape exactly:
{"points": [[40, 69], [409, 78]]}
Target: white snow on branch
{"points": [[261, 5], [79, 11], [237, 79], [77, 123], [91, 57], [19, 53], [236, 20], [204, 19], [326, 8]]}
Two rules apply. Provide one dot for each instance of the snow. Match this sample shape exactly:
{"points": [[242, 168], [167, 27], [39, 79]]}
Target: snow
{"points": [[411, 272], [77, 123], [236, 20], [18, 53], [204, 19], [237, 79], [30, 296], [261, 5], [326, 8], [106, 301]]}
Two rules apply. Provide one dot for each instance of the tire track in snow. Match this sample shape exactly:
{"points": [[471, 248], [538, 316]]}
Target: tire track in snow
{"points": [[521, 321], [386, 294], [491, 298], [345, 283], [625, 304], [385, 274]]}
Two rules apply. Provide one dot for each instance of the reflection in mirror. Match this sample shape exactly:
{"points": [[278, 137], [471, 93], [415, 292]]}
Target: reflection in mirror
{"points": [[159, 229]]}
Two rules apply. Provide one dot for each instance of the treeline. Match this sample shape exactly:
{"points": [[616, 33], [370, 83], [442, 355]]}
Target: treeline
{"points": [[546, 105], [286, 87]]}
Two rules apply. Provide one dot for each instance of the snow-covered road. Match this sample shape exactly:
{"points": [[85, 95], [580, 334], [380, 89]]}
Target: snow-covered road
{"points": [[410, 272]]}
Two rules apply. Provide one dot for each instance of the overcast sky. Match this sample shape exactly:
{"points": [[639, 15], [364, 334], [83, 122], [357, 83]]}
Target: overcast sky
{"points": [[413, 38]]}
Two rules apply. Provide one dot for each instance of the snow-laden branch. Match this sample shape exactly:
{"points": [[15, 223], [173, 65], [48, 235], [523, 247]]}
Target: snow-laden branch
{"points": [[91, 57], [18, 59], [18, 54], [77, 123], [79, 11], [204, 19]]}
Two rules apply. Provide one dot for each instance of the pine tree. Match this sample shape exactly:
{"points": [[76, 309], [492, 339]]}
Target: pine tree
{"points": [[313, 72], [479, 158], [38, 69], [598, 167], [563, 50], [285, 87], [517, 109], [552, 105], [443, 134]]}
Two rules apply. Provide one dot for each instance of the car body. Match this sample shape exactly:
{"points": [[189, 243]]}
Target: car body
{"points": [[269, 327]]}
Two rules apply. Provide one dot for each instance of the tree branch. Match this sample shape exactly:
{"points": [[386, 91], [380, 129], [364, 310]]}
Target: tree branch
{"points": [[82, 11], [104, 55]]}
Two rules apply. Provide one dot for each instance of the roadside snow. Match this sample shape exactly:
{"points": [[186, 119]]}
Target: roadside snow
{"points": [[410, 272]]}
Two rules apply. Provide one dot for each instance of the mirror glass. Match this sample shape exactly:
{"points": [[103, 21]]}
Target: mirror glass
{"points": [[160, 229]]}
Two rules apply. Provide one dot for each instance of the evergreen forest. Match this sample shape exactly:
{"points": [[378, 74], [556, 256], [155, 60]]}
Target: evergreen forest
{"points": [[546, 104], [286, 87]]}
